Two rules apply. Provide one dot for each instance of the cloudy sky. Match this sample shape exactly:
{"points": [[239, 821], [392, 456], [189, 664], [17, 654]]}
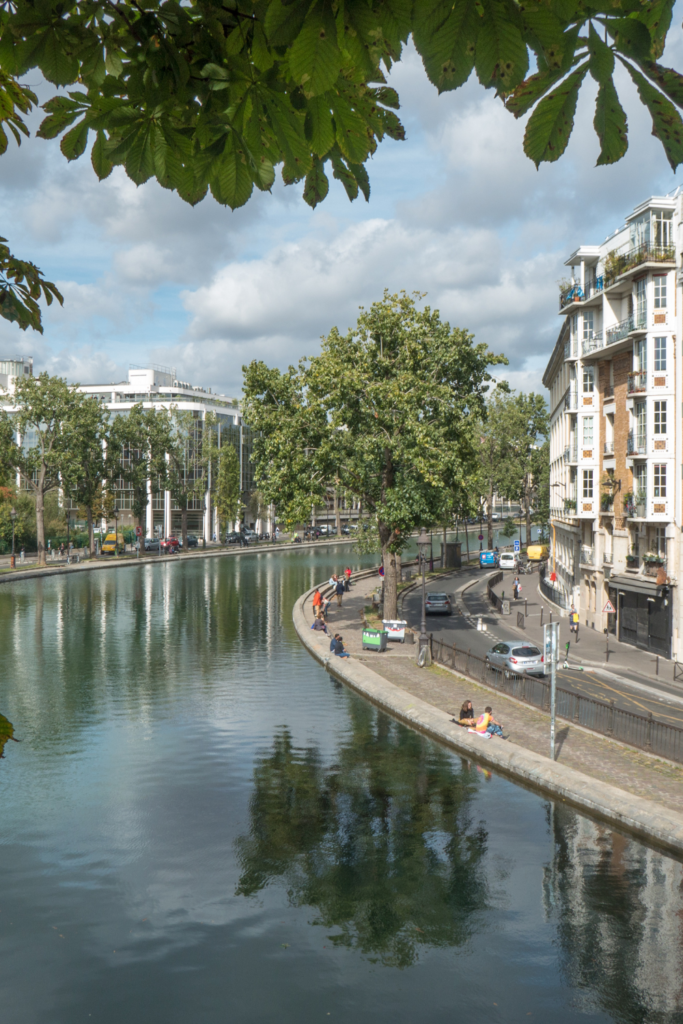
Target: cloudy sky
{"points": [[456, 211]]}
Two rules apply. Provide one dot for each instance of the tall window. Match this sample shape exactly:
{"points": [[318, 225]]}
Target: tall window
{"points": [[588, 380], [660, 353], [660, 291], [661, 221], [640, 356], [660, 481], [641, 424], [660, 540], [640, 480], [588, 431], [660, 417], [588, 483], [641, 300], [588, 325]]}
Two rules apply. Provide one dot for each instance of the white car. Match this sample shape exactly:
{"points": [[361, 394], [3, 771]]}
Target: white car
{"points": [[508, 560]]}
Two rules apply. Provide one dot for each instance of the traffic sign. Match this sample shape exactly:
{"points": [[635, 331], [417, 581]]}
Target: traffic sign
{"points": [[516, 545], [138, 531], [609, 608], [481, 536]]}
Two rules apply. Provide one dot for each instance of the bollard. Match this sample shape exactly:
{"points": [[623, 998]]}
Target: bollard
{"points": [[551, 616], [541, 616], [657, 665], [606, 646], [526, 606]]}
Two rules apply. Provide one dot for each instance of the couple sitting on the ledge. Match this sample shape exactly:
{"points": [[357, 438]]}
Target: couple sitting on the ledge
{"points": [[484, 726]]}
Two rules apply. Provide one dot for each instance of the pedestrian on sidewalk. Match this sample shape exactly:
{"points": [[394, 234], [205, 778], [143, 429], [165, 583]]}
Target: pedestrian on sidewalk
{"points": [[339, 591], [347, 579], [317, 601], [574, 623]]}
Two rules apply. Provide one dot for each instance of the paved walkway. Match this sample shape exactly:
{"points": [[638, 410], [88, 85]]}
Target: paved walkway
{"points": [[596, 756]]}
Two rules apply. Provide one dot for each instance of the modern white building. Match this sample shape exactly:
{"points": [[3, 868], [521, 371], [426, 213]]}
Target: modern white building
{"points": [[615, 439]]}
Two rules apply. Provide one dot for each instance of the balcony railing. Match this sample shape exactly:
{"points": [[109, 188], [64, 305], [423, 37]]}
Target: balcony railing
{"points": [[635, 444], [607, 558], [622, 330], [578, 294], [608, 448], [571, 400], [592, 344], [645, 253], [571, 453], [608, 391], [587, 555], [636, 382], [652, 566]]}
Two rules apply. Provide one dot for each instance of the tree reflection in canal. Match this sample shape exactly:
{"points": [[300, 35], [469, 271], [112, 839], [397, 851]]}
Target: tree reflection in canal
{"points": [[383, 843], [6, 733]]}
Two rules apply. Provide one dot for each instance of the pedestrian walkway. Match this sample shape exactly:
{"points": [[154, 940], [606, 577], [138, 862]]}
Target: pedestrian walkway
{"points": [[603, 759]]}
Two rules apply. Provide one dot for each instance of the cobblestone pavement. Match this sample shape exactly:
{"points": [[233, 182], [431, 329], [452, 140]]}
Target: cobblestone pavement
{"points": [[607, 761]]}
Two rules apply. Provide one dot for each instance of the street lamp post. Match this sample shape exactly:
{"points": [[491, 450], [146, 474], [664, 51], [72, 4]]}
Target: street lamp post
{"points": [[13, 517], [116, 529], [422, 545]]}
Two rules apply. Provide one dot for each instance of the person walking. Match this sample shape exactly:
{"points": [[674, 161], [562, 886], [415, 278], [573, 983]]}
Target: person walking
{"points": [[574, 623], [339, 591], [347, 579], [317, 602]]}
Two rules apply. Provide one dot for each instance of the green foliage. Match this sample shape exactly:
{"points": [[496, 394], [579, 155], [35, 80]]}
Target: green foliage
{"points": [[228, 487], [21, 282], [25, 522], [509, 528]]}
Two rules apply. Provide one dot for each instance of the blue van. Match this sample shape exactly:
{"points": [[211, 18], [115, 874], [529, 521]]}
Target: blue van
{"points": [[488, 559]]}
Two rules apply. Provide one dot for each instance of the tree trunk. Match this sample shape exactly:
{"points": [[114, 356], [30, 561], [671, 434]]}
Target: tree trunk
{"points": [[91, 533], [490, 518], [467, 541], [40, 525], [183, 525], [443, 550], [337, 516], [390, 590]]}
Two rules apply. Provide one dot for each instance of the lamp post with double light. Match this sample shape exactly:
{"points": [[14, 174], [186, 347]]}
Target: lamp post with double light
{"points": [[422, 545], [13, 516]]}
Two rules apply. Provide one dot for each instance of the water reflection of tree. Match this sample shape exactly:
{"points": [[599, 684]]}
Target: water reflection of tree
{"points": [[381, 843], [6, 733], [619, 910]]}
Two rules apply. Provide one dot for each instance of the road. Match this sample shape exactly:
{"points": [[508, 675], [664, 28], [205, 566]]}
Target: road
{"points": [[640, 691]]}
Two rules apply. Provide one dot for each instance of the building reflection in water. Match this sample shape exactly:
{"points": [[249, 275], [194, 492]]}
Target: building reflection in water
{"points": [[618, 906]]}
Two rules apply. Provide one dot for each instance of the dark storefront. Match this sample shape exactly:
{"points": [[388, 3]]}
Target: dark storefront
{"points": [[644, 614]]}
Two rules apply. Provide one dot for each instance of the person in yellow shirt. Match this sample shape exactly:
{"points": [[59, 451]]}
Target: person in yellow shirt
{"points": [[486, 723]]}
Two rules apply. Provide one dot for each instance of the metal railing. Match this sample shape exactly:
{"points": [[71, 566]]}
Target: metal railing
{"points": [[641, 731], [635, 444], [621, 330], [571, 453], [491, 594], [645, 253], [553, 594], [608, 391], [591, 344], [651, 568], [587, 556], [571, 400], [636, 381], [608, 448], [607, 557], [579, 294]]}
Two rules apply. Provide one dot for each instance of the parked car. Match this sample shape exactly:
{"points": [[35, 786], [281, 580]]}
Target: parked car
{"points": [[264, 536], [151, 543], [170, 545], [249, 534], [495, 517], [508, 560], [537, 552], [346, 530], [233, 537], [488, 559], [516, 656], [327, 531], [438, 604], [112, 544], [192, 541]]}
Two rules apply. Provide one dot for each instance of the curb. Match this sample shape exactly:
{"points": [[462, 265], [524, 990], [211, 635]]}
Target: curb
{"points": [[63, 570], [653, 822]]}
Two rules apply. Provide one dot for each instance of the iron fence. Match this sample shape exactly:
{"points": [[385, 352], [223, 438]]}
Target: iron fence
{"points": [[554, 594], [491, 594], [641, 731]]}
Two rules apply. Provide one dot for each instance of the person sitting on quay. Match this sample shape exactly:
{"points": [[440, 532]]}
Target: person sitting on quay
{"points": [[466, 715], [487, 725], [338, 649], [319, 623]]}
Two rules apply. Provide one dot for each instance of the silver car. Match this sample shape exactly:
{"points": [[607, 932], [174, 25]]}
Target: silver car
{"points": [[438, 604], [517, 656]]}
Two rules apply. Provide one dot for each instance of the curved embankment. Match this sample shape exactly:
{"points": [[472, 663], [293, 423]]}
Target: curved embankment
{"points": [[647, 820], [120, 563]]}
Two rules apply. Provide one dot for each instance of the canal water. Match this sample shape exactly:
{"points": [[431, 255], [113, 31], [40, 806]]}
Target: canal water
{"points": [[199, 824]]}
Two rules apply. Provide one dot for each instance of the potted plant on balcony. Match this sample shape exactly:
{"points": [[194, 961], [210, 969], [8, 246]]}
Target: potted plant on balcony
{"points": [[632, 561], [606, 502], [569, 505], [628, 503], [652, 558]]}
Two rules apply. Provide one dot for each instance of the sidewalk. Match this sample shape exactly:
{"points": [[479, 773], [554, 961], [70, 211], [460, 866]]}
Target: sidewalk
{"points": [[624, 660], [604, 760]]}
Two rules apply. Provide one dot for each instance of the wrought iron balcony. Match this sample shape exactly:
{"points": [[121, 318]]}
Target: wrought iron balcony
{"points": [[592, 344], [578, 294], [608, 391], [635, 444], [607, 558], [608, 448], [587, 555], [636, 382], [645, 253], [571, 400], [625, 327], [651, 566], [571, 453]]}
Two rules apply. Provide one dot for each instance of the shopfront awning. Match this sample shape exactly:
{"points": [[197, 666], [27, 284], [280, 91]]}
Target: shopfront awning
{"points": [[635, 585]]}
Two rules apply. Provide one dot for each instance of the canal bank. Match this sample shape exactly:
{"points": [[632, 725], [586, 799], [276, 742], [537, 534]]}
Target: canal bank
{"points": [[396, 686]]}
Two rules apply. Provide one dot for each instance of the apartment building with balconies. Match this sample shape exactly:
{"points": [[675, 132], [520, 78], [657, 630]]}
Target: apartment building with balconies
{"points": [[614, 379]]}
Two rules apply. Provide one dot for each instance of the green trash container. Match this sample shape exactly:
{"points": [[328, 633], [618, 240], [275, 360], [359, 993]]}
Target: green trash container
{"points": [[374, 640]]}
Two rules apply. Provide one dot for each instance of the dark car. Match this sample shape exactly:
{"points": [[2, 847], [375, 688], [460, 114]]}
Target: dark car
{"points": [[170, 545], [234, 537], [192, 541]]}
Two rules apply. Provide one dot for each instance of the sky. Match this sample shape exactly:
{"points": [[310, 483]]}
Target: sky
{"points": [[456, 211]]}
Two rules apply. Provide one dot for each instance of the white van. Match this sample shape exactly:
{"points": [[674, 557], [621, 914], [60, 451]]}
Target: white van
{"points": [[507, 560]]}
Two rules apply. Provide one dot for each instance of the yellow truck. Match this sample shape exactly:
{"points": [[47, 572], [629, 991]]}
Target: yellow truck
{"points": [[537, 552], [112, 544]]}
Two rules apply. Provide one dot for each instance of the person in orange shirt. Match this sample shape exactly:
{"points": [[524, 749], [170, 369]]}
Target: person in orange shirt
{"points": [[317, 602], [486, 723]]}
